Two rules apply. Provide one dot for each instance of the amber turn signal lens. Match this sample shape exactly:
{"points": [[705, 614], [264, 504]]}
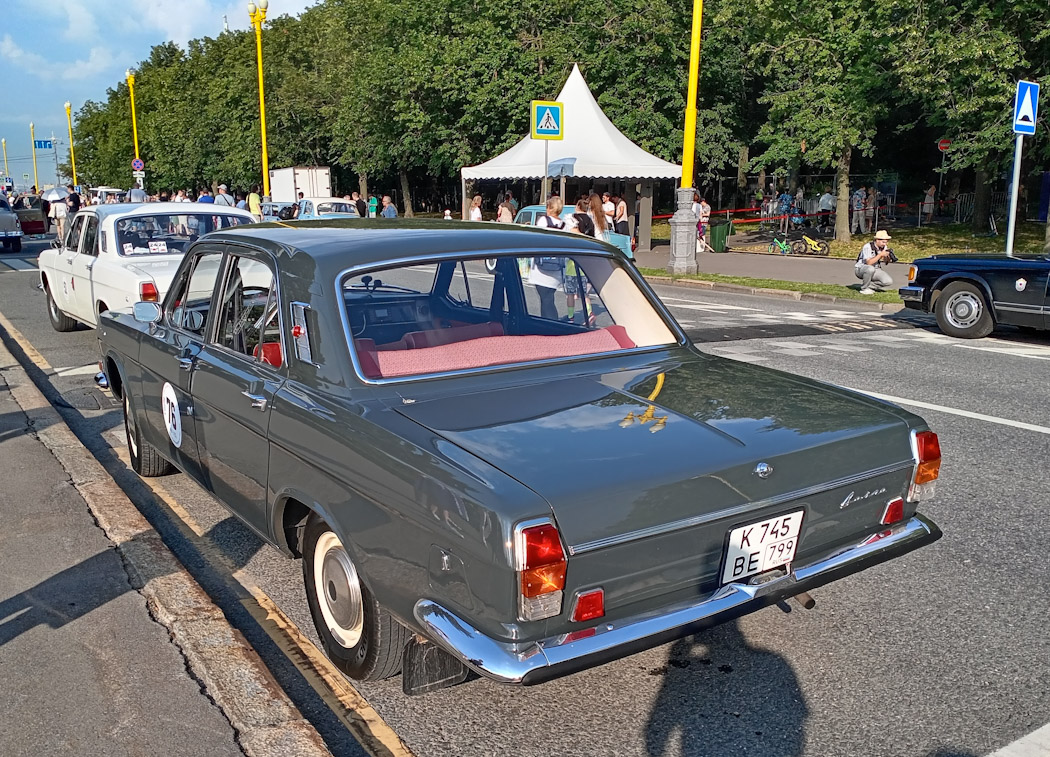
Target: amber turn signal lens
{"points": [[542, 580]]}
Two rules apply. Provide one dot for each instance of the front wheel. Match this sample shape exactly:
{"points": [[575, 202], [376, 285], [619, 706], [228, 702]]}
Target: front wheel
{"points": [[359, 636], [798, 247], [59, 320], [962, 312], [145, 460]]}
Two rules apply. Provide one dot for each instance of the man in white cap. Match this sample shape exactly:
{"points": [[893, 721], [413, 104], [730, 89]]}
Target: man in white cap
{"points": [[869, 264], [223, 198]]}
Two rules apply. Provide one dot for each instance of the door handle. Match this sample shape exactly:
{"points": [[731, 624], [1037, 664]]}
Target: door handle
{"points": [[185, 363], [258, 400]]}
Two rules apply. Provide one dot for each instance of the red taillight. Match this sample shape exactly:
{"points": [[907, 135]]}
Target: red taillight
{"points": [[894, 512], [148, 291], [929, 450], [541, 567], [589, 605], [543, 561]]}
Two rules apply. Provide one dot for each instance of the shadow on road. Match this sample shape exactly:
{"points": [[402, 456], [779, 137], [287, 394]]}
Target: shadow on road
{"points": [[722, 696]]}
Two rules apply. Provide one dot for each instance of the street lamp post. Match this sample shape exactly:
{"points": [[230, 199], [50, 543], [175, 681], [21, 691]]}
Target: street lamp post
{"points": [[257, 14], [32, 138], [72, 155], [134, 125], [4, 143], [683, 222]]}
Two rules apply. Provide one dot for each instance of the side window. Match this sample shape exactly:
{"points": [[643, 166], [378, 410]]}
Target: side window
{"points": [[248, 321], [459, 289], [73, 233], [191, 300], [89, 244], [308, 208]]}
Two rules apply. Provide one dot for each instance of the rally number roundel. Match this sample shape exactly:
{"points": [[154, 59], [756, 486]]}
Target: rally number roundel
{"points": [[172, 414]]}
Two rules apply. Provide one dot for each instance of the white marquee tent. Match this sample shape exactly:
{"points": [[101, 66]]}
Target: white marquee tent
{"points": [[591, 148]]}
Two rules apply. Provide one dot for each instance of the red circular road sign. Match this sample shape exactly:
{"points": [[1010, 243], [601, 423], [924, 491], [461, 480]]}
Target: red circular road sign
{"points": [[137, 164], [944, 144]]}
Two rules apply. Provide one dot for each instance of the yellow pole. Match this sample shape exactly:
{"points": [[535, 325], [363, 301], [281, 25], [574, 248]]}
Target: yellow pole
{"points": [[4, 142], [32, 138], [134, 124], [258, 15], [72, 155], [689, 145]]}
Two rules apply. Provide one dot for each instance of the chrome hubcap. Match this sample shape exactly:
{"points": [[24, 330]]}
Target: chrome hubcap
{"points": [[963, 310], [338, 590]]}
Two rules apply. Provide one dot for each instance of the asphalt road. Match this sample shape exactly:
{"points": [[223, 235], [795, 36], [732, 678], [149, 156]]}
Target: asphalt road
{"points": [[943, 652]]}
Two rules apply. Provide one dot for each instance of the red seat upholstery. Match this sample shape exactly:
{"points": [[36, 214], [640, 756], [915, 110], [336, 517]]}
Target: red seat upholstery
{"points": [[492, 350], [269, 353]]}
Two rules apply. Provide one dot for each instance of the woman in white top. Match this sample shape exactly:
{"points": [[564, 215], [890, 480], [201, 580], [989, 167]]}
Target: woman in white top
{"points": [[475, 209]]}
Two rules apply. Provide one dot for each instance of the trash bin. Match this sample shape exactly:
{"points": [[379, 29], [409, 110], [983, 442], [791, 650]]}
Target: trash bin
{"points": [[718, 235]]}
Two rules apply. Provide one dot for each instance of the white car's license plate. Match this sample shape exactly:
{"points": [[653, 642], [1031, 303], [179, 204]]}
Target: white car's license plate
{"points": [[758, 547]]}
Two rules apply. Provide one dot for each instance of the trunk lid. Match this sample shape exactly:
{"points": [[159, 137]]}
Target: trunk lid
{"points": [[613, 463]]}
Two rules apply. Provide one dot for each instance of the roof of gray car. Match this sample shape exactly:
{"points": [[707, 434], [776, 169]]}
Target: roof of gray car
{"points": [[337, 244], [160, 208]]}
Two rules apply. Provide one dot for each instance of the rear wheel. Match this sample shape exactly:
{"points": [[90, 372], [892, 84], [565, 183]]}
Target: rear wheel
{"points": [[7, 245], [962, 312], [16, 244], [824, 249], [359, 636], [145, 460], [59, 320]]}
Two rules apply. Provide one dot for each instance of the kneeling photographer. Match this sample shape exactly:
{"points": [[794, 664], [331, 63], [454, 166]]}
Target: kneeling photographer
{"points": [[872, 257]]}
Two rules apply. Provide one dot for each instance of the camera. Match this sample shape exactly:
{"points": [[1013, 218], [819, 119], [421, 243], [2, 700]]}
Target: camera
{"points": [[893, 258]]}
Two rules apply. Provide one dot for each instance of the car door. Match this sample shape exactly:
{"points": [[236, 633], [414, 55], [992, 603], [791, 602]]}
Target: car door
{"points": [[238, 373], [306, 209], [62, 288], [81, 261], [170, 358]]}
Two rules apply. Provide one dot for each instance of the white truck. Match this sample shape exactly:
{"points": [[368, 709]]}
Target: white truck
{"points": [[312, 181]]}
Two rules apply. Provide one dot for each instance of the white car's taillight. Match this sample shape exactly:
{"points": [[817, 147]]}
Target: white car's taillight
{"points": [[927, 451], [148, 291], [541, 571]]}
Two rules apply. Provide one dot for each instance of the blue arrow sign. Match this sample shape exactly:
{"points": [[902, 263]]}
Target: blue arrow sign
{"points": [[43, 144], [1026, 106]]}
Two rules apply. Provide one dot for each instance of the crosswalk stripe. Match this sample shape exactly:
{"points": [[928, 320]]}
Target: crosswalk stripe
{"points": [[18, 265]]}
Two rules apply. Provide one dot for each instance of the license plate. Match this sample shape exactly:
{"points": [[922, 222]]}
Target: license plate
{"points": [[758, 547]]}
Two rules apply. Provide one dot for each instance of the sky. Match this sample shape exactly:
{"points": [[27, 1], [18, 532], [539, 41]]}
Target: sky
{"points": [[76, 49]]}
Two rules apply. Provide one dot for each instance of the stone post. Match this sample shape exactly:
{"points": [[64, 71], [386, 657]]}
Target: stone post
{"points": [[683, 235]]}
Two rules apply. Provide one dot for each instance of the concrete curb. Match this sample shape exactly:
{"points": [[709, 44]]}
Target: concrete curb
{"points": [[788, 294], [229, 671]]}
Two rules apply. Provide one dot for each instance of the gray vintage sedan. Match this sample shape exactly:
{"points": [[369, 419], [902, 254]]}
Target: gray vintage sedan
{"points": [[523, 472]]}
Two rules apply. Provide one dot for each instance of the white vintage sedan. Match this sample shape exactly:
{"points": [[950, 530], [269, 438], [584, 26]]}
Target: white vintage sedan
{"points": [[113, 256]]}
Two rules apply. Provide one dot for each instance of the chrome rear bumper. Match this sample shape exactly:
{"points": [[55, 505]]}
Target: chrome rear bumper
{"points": [[537, 661]]}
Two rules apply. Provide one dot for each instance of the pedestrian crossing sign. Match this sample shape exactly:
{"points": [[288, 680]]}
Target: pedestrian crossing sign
{"points": [[1026, 105], [548, 120]]}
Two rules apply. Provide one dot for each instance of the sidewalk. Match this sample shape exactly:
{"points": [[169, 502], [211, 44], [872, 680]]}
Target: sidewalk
{"points": [[107, 646], [765, 266]]}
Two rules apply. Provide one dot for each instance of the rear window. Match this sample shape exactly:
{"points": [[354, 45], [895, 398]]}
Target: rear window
{"points": [[166, 234], [335, 207], [471, 313]]}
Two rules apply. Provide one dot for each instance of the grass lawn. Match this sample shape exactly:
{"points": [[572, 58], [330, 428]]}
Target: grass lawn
{"points": [[836, 290], [911, 243]]}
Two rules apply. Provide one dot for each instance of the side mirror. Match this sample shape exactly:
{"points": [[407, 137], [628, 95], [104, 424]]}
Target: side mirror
{"points": [[56, 244], [193, 320], [146, 312]]}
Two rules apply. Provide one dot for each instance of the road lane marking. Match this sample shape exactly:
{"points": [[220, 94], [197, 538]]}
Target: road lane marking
{"points": [[1035, 744], [20, 265], [83, 370], [955, 411], [345, 702]]}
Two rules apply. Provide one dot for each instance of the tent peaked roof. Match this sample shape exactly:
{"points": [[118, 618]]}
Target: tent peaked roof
{"points": [[592, 146]]}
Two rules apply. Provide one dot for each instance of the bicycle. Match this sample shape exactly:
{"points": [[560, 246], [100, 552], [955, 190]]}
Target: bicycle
{"points": [[781, 245], [810, 246]]}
